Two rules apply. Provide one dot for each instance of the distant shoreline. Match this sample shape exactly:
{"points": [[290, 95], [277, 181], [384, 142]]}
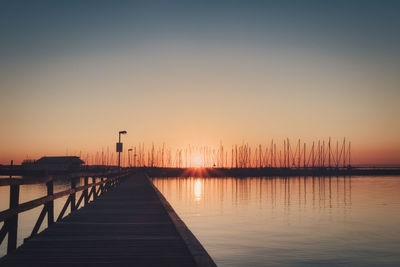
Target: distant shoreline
{"points": [[269, 172], [228, 172]]}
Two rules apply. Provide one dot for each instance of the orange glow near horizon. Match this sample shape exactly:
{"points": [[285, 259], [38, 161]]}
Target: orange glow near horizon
{"points": [[210, 156]]}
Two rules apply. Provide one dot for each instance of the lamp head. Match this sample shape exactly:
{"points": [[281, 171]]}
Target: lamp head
{"points": [[123, 132]]}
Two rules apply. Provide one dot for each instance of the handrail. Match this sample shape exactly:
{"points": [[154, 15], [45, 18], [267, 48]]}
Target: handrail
{"points": [[10, 216], [46, 178]]}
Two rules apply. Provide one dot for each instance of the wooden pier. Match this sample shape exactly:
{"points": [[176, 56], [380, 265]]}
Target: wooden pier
{"points": [[130, 225]]}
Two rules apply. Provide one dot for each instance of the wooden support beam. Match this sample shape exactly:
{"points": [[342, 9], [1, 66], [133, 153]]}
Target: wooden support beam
{"points": [[39, 221], [50, 205], [102, 186], [94, 188], [92, 192], [78, 203], [85, 192], [64, 209], [3, 232], [73, 195], [12, 222], [98, 193]]}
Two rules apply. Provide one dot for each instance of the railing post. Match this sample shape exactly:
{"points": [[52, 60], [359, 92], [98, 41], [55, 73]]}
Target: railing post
{"points": [[12, 223], [73, 195], [107, 184], [50, 204], [85, 192], [94, 189], [102, 186]]}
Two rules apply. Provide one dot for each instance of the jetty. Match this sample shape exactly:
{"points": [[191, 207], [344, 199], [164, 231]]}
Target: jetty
{"points": [[127, 223]]}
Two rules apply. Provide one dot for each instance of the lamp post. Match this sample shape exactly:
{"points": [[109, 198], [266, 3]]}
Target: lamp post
{"points": [[129, 157], [119, 147], [134, 158]]}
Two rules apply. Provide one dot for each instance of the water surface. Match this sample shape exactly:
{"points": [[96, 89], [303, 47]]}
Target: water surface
{"points": [[301, 221]]}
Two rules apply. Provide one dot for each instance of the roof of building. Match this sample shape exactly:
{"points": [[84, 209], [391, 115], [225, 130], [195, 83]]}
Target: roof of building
{"points": [[60, 160]]}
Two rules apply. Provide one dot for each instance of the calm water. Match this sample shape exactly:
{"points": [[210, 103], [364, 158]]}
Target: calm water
{"points": [[293, 221]]}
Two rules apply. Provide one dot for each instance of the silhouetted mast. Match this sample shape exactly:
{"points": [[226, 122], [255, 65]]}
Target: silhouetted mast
{"points": [[329, 148], [344, 152]]}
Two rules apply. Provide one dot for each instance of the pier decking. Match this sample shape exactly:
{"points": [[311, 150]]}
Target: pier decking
{"points": [[131, 225]]}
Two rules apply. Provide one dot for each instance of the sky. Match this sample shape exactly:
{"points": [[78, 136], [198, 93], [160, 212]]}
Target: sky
{"points": [[74, 73]]}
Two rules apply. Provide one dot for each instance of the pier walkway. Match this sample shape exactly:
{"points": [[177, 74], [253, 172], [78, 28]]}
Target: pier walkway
{"points": [[131, 225]]}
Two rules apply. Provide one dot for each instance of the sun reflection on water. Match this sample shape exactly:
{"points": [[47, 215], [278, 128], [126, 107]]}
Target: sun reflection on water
{"points": [[197, 189]]}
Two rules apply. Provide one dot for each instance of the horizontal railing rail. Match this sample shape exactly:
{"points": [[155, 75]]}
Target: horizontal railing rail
{"points": [[44, 178], [10, 216]]}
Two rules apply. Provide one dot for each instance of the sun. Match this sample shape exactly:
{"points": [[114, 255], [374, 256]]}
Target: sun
{"points": [[198, 161]]}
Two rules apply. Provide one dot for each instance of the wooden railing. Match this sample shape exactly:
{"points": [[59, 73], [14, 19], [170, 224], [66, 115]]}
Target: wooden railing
{"points": [[100, 183]]}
